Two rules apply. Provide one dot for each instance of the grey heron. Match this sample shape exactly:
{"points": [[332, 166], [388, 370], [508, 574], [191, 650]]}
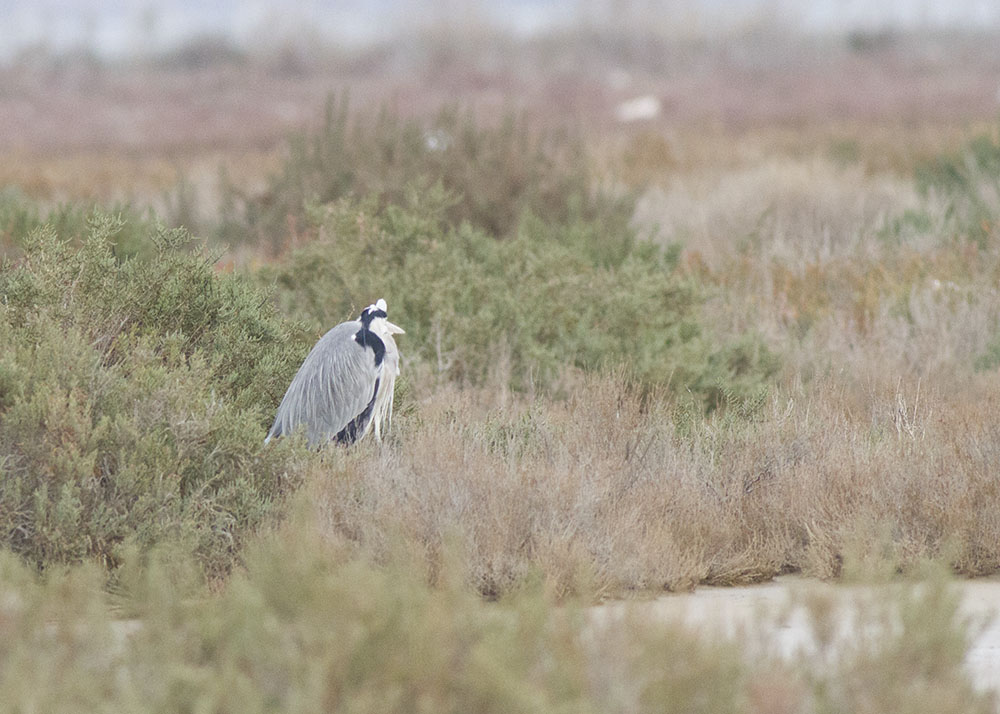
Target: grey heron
{"points": [[344, 387]]}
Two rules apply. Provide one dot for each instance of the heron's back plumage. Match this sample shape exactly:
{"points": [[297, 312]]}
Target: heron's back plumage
{"points": [[336, 384]]}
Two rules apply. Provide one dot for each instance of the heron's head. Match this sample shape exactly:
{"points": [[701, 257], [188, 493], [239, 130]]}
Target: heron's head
{"points": [[374, 318]]}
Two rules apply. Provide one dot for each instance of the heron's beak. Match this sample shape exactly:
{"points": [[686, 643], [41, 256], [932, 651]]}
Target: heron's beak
{"points": [[394, 329]]}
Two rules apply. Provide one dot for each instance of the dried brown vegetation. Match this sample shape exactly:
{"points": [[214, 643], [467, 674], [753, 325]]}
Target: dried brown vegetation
{"points": [[610, 491]]}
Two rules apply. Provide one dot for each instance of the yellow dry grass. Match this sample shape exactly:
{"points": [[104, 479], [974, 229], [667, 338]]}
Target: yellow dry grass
{"points": [[610, 492]]}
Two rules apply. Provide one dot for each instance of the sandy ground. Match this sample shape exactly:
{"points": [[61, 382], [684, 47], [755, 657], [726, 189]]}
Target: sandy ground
{"points": [[772, 617]]}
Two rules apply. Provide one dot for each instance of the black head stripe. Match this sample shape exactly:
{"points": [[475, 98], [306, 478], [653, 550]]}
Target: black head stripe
{"points": [[367, 338], [368, 314]]}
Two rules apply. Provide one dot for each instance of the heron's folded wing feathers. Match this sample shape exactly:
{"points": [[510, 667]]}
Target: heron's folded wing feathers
{"points": [[334, 384]]}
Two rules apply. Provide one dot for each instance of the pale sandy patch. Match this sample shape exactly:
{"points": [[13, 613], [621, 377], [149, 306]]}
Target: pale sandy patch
{"points": [[771, 617]]}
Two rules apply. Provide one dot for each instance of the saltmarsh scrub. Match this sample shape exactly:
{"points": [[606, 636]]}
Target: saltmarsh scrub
{"points": [[497, 170], [134, 396], [549, 297], [497, 246], [969, 180], [20, 215], [311, 626]]}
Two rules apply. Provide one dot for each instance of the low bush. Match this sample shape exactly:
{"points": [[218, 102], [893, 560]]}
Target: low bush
{"points": [[498, 172], [304, 628], [134, 398], [551, 297], [20, 215], [969, 181], [627, 493]]}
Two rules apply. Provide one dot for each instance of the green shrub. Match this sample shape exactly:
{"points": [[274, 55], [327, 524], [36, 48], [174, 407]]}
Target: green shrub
{"points": [[911, 657], [988, 360], [20, 215], [496, 172], [134, 398], [969, 180], [304, 628], [550, 296]]}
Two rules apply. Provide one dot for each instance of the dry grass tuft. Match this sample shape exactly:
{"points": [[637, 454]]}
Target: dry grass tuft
{"points": [[609, 492]]}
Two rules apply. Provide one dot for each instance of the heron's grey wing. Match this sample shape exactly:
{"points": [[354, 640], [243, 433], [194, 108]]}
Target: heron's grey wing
{"points": [[334, 385]]}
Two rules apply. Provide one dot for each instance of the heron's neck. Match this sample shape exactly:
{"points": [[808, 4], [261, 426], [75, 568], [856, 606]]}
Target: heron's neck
{"points": [[366, 338]]}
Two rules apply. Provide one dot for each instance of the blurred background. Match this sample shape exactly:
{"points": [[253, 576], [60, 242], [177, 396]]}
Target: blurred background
{"points": [[139, 29], [148, 103]]}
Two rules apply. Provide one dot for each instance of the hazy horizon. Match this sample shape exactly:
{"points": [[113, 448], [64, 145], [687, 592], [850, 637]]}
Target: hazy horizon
{"points": [[121, 28]]}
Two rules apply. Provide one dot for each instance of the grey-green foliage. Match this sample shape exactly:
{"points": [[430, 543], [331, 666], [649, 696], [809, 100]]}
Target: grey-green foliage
{"points": [[970, 180], [916, 663], [134, 397], [990, 357], [497, 172], [306, 628], [552, 294], [20, 215]]}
